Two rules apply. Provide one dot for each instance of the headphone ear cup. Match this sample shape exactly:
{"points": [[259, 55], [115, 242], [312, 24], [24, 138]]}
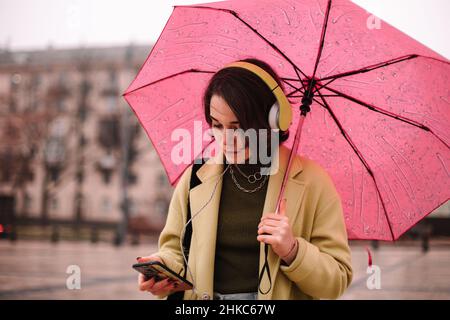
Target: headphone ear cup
{"points": [[274, 114]]}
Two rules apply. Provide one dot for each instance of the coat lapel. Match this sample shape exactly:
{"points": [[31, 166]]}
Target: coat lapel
{"points": [[205, 224]]}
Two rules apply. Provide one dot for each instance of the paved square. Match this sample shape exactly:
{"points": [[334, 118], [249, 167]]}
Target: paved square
{"points": [[37, 270]]}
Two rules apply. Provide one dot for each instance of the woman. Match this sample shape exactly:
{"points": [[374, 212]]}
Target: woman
{"points": [[308, 257]]}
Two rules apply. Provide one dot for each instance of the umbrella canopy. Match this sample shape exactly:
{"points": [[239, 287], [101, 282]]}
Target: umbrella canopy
{"points": [[378, 122]]}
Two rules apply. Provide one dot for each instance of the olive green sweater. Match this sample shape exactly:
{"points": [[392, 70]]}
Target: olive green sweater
{"points": [[237, 250]]}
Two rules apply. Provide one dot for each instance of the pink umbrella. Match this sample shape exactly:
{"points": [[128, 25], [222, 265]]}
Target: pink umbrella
{"points": [[374, 102]]}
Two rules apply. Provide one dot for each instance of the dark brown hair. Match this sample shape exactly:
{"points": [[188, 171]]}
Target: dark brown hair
{"points": [[248, 96]]}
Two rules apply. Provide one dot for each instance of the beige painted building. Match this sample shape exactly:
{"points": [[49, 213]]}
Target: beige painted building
{"points": [[62, 119]]}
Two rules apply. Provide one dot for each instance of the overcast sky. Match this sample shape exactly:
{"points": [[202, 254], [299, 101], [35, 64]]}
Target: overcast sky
{"points": [[34, 24]]}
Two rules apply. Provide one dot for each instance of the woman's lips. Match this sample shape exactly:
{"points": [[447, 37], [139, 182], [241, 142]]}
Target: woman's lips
{"points": [[232, 151]]}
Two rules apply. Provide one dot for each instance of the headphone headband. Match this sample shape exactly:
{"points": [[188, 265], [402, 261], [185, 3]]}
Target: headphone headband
{"points": [[285, 112]]}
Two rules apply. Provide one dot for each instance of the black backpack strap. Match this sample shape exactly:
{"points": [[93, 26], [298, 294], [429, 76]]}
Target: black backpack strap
{"points": [[193, 182]]}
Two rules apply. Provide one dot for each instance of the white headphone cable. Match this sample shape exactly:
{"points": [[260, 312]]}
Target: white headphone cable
{"points": [[189, 221]]}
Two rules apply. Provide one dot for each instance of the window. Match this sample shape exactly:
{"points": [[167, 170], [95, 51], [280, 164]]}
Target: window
{"points": [[54, 151], [111, 103], [27, 202], [109, 132], [58, 128], [106, 167], [54, 204], [132, 207], [106, 205]]}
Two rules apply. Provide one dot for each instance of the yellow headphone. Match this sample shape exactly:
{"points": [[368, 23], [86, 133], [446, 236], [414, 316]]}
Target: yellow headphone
{"points": [[280, 114]]}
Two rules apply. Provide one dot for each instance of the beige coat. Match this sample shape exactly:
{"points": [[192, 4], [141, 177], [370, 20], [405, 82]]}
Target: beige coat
{"points": [[322, 267]]}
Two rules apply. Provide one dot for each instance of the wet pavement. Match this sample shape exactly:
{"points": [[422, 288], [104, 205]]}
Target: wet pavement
{"points": [[37, 270]]}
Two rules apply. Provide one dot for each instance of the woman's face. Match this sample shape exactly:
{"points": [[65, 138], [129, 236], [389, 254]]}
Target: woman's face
{"points": [[224, 118]]}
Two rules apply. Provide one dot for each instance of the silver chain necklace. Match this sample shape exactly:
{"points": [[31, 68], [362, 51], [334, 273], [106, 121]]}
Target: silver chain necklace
{"points": [[255, 179], [252, 178]]}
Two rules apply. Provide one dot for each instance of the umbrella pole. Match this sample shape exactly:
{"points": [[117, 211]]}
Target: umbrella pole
{"points": [[304, 108], [291, 157]]}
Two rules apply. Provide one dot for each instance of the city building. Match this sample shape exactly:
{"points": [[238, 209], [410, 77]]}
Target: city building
{"points": [[71, 148]]}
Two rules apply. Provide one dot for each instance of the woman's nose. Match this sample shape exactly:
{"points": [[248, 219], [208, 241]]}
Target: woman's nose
{"points": [[231, 135], [237, 141]]}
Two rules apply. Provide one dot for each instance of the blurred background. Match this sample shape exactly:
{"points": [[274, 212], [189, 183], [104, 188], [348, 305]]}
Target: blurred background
{"points": [[80, 182]]}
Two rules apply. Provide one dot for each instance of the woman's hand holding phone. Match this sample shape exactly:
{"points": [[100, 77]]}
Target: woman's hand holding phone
{"points": [[162, 287]]}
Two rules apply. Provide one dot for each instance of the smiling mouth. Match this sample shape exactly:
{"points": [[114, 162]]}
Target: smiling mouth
{"points": [[237, 151]]}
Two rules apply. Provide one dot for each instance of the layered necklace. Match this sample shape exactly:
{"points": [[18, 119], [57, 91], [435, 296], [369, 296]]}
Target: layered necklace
{"points": [[251, 178]]}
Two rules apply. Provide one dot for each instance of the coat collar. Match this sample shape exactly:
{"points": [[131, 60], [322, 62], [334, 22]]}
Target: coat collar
{"points": [[206, 197]]}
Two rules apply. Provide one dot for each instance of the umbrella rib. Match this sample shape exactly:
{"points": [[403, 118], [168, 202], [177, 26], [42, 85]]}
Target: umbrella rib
{"points": [[300, 79], [322, 38], [168, 77], [296, 68], [236, 15], [381, 65], [325, 95], [318, 86], [358, 153], [289, 79], [294, 87], [269, 43], [330, 95], [322, 85], [371, 67], [386, 113], [297, 80]]}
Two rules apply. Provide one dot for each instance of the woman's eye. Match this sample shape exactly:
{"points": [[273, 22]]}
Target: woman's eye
{"points": [[217, 126]]}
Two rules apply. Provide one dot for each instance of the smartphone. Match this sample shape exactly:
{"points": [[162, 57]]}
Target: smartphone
{"points": [[160, 272]]}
